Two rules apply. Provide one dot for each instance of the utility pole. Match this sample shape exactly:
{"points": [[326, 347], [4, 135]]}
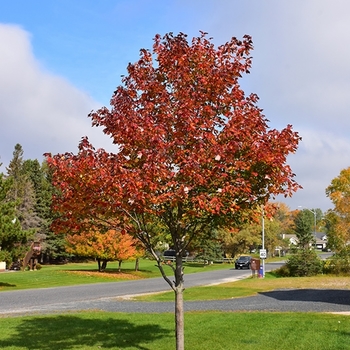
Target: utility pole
{"points": [[263, 254]]}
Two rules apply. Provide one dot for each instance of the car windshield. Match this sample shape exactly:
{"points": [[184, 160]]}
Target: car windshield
{"points": [[244, 258]]}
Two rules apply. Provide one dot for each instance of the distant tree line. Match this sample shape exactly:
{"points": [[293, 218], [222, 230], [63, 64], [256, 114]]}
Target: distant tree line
{"points": [[26, 215]]}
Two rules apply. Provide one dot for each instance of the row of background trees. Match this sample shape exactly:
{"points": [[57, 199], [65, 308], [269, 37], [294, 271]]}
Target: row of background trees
{"points": [[26, 215]]}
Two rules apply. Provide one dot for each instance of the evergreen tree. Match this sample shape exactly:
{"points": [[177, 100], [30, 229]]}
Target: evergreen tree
{"points": [[53, 245], [12, 237], [303, 227], [305, 262], [209, 246], [28, 191], [22, 192]]}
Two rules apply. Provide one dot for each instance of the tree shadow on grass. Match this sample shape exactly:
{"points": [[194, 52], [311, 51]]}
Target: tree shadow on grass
{"points": [[333, 296], [2, 284], [83, 332]]}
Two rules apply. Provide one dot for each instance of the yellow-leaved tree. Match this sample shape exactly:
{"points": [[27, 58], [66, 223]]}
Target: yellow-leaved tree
{"points": [[338, 219]]}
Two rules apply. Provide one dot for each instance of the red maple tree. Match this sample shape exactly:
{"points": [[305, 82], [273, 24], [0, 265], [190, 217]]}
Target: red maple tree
{"points": [[191, 149]]}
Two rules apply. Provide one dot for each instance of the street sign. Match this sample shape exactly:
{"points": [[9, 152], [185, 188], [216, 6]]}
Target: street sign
{"points": [[263, 254]]}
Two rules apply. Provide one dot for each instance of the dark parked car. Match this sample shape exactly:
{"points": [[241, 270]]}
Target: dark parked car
{"points": [[15, 266], [169, 255], [243, 262]]}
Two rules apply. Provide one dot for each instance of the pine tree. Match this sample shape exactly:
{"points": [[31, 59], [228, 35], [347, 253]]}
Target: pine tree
{"points": [[12, 237], [53, 245], [22, 192], [303, 223]]}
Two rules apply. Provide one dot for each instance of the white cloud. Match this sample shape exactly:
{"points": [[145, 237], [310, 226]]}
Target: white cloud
{"points": [[301, 72], [321, 156], [41, 111]]}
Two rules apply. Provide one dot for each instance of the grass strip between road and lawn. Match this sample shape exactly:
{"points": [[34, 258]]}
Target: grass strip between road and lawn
{"points": [[203, 331], [252, 286]]}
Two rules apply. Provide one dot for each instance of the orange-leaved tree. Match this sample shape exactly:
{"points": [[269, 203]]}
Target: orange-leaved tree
{"points": [[112, 245], [192, 150], [339, 217]]}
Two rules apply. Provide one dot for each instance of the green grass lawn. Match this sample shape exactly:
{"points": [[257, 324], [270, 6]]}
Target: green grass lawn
{"points": [[203, 331], [83, 273]]}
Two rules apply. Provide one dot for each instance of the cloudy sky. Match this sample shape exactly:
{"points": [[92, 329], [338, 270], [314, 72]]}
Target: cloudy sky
{"points": [[61, 59]]}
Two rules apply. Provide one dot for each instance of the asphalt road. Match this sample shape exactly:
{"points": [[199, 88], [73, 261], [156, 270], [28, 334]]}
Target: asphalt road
{"points": [[113, 297]]}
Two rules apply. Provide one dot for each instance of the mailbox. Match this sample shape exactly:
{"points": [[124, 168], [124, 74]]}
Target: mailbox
{"points": [[255, 264]]}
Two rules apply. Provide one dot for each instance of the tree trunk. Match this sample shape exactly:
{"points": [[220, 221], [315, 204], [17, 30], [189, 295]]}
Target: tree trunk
{"points": [[179, 305], [120, 265], [137, 261], [99, 264], [179, 319], [104, 265], [178, 287]]}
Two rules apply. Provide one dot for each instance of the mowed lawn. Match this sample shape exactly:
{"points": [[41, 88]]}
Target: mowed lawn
{"points": [[203, 330]]}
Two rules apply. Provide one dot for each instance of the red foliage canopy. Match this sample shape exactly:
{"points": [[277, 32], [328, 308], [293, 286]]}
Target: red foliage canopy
{"points": [[190, 145]]}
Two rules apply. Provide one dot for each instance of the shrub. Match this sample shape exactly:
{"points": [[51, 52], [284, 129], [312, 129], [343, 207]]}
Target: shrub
{"points": [[338, 264], [6, 256], [304, 263], [283, 271]]}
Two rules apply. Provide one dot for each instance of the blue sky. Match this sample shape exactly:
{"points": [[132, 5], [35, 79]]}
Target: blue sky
{"points": [[61, 59]]}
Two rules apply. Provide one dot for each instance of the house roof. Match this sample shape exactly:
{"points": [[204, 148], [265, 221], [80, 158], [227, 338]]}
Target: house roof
{"points": [[319, 237]]}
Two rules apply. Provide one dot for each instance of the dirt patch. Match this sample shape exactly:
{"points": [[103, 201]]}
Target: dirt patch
{"points": [[115, 275]]}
